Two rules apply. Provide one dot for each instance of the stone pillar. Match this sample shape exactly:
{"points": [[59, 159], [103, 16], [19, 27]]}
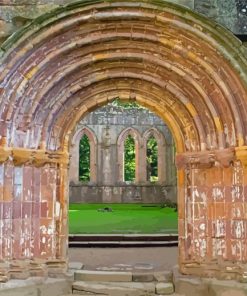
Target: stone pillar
{"points": [[31, 204], [212, 219]]}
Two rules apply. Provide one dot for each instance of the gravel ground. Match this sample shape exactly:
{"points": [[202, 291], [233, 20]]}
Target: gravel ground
{"points": [[159, 258]]}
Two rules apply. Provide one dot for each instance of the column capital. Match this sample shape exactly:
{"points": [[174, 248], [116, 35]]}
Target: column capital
{"points": [[241, 154], [206, 159], [37, 157]]}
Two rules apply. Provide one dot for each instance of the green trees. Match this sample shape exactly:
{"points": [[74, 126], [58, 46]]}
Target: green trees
{"points": [[129, 159], [84, 159]]}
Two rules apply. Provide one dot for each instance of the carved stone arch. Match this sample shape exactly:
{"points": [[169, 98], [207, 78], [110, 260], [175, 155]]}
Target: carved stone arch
{"points": [[161, 142], [120, 153], [185, 67], [74, 155]]}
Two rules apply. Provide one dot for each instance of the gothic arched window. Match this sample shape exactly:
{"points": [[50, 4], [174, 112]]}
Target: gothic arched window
{"points": [[83, 156], [154, 145], [84, 159], [128, 155]]}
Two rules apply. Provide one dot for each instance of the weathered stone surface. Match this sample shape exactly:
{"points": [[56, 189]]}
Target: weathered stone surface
{"points": [[143, 266], [226, 288], [163, 276], [116, 289], [142, 277], [164, 288], [76, 265], [103, 276], [35, 287], [191, 286]]}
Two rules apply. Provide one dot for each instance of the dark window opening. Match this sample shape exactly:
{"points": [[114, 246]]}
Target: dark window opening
{"points": [[129, 159], [84, 159], [152, 159]]}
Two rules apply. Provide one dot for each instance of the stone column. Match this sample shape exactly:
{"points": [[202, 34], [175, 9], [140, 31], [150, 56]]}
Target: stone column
{"points": [[212, 220], [33, 197]]}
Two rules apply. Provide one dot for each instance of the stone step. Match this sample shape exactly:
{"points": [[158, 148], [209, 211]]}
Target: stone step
{"points": [[122, 288], [102, 276], [122, 276], [76, 293], [115, 288]]}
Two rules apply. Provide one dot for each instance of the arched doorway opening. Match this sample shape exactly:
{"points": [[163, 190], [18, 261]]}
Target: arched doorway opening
{"points": [[121, 133], [177, 63]]}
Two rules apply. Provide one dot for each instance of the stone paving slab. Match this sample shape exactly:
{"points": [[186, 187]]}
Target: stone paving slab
{"points": [[36, 287], [164, 288], [103, 276], [163, 276], [116, 288]]}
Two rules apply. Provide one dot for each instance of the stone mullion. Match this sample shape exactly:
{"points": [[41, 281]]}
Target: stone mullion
{"points": [[141, 163], [120, 158], [93, 162], [162, 169]]}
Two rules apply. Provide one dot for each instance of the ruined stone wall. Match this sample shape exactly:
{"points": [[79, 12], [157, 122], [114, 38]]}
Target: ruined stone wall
{"points": [[107, 124], [14, 14]]}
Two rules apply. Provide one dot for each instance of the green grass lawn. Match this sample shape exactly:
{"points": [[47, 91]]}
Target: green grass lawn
{"points": [[125, 218]]}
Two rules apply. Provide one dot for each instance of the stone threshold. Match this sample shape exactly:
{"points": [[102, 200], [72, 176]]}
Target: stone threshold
{"points": [[115, 240]]}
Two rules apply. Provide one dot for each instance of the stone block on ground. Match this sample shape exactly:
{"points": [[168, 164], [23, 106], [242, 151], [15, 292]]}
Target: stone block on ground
{"points": [[226, 288], [115, 288], [164, 288], [103, 276], [142, 277], [189, 285], [164, 276]]}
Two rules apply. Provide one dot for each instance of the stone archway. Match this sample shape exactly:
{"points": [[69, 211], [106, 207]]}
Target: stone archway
{"points": [[187, 69]]}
